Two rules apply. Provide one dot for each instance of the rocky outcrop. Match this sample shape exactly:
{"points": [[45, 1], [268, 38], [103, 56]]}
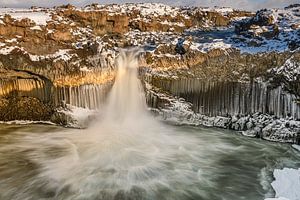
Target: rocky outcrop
{"points": [[263, 24], [214, 18], [24, 108], [206, 66], [25, 96], [100, 22], [273, 24]]}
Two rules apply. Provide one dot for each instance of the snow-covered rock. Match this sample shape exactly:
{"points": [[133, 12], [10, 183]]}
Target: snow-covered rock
{"points": [[72, 116], [269, 30], [39, 17], [290, 70]]}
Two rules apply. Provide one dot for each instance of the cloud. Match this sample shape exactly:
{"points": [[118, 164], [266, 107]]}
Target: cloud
{"points": [[240, 4], [278, 3]]}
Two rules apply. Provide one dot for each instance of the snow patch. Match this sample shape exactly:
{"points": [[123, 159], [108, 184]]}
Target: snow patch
{"points": [[11, 40], [80, 117], [206, 47], [287, 184], [24, 122], [36, 28], [61, 54], [39, 17], [7, 50]]}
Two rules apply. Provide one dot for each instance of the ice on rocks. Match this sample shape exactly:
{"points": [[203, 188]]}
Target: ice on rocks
{"points": [[287, 184]]}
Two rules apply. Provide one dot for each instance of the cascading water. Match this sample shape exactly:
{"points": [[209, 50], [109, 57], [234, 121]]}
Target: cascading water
{"points": [[126, 100], [128, 155]]}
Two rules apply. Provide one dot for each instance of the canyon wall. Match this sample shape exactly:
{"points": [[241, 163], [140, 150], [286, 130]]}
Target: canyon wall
{"points": [[228, 64]]}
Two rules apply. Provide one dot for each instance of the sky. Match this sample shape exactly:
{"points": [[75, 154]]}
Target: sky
{"points": [[240, 4]]}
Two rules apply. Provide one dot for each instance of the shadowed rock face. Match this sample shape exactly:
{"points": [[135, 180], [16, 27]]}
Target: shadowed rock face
{"points": [[24, 108], [233, 98], [25, 96]]}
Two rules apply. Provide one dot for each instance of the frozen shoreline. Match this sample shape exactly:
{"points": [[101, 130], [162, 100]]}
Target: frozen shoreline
{"points": [[25, 122], [287, 182]]}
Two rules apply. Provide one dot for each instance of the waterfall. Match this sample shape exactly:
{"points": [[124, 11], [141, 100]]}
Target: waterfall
{"points": [[126, 99]]}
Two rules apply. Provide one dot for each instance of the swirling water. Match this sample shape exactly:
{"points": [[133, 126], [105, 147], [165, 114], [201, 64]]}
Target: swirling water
{"points": [[176, 162]]}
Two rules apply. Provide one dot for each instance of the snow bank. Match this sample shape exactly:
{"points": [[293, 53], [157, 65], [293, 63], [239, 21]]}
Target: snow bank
{"points": [[25, 122], [39, 17], [280, 198], [286, 184], [77, 117]]}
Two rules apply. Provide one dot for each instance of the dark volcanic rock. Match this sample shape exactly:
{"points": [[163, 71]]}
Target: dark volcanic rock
{"points": [[24, 108]]}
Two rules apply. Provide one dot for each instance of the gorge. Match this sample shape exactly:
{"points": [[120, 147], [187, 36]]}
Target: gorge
{"points": [[141, 114], [128, 154]]}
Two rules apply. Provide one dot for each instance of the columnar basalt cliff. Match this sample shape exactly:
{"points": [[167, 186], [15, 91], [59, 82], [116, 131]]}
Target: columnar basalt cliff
{"points": [[235, 69]]}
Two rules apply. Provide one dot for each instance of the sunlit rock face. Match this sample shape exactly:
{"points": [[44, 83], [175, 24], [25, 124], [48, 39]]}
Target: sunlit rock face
{"points": [[25, 96]]}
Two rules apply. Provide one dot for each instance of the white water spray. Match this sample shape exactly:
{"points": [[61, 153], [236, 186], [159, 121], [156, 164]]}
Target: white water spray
{"points": [[126, 101]]}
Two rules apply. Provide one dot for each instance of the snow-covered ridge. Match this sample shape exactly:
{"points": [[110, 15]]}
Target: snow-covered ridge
{"points": [[40, 17], [154, 9], [162, 25], [62, 54], [145, 9], [270, 30]]}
